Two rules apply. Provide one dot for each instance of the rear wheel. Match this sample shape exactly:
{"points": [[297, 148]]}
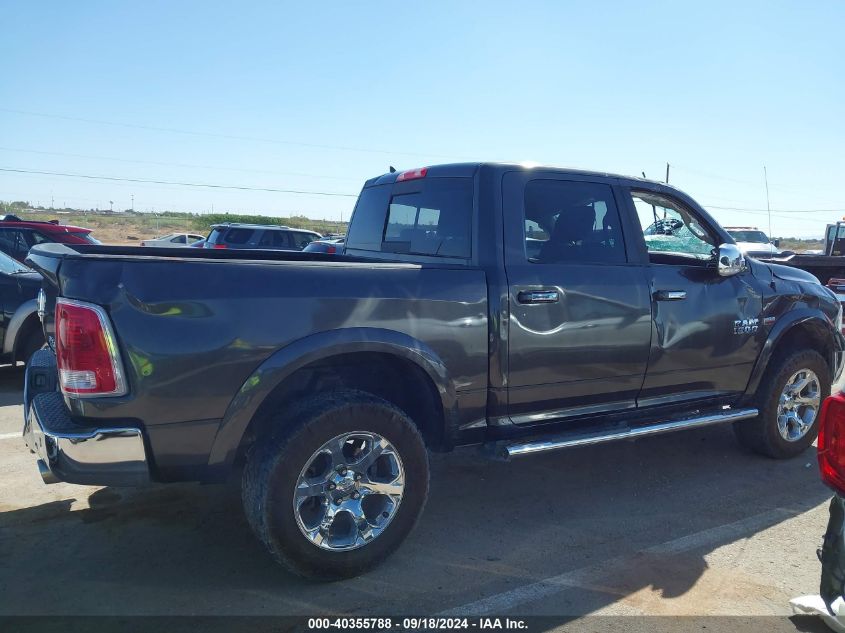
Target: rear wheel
{"points": [[789, 399], [339, 487]]}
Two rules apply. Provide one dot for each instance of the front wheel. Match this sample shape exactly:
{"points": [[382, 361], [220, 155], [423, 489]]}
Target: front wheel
{"points": [[338, 486], [789, 399]]}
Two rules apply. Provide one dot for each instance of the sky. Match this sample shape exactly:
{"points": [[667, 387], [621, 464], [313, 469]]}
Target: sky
{"points": [[318, 97]]}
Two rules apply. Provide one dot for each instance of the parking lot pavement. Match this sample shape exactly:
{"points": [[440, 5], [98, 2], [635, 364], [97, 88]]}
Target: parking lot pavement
{"points": [[678, 524]]}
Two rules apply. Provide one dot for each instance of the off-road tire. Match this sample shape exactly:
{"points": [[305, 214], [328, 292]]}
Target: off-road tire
{"points": [[761, 434], [274, 464]]}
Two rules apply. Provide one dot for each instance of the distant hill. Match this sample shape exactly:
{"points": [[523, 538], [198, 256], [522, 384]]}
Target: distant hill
{"points": [[798, 244]]}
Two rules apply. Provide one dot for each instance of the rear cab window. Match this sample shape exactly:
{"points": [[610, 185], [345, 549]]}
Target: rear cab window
{"points": [[430, 217]]}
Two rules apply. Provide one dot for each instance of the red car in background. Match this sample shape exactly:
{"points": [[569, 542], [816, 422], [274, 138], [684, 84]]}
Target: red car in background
{"points": [[17, 236]]}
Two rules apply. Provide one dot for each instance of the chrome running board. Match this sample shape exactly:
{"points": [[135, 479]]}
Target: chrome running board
{"points": [[552, 443]]}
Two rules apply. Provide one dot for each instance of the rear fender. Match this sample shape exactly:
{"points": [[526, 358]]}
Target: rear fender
{"points": [[24, 311], [283, 363]]}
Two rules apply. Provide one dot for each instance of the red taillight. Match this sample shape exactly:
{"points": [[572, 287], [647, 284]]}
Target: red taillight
{"points": [[220, 246], [831, 442], [331, 250], [86, 351], [412, 174]]}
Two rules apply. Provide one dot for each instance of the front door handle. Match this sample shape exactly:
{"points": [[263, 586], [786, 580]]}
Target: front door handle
{"points": [[670, 295], [538, 296]]}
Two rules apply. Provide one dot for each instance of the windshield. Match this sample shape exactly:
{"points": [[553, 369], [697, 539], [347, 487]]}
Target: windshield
{"points": [[755, 237]]}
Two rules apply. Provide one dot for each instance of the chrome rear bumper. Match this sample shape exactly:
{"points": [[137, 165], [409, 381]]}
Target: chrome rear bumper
{"points": [[113, 456]]}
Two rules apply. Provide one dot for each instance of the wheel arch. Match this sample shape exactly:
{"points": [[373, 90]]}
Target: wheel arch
{"points": [[23, 321], [291, 370], [807, 329]]}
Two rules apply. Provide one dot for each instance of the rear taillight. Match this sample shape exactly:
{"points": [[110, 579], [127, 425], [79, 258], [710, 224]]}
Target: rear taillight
{"points": [[412, 174], [331, 250], [220, 246], [86, 351], [831, 442]]}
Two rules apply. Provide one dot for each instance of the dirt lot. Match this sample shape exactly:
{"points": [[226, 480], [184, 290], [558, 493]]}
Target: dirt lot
{"points": [[679, 524]]}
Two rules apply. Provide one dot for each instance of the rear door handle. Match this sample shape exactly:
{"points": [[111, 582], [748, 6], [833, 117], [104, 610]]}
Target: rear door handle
{"points": [[670, 295], [538, 296]]}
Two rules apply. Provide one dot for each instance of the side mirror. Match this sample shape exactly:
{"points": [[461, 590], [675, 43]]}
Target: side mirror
{"points": [[776, 243], [731, 261]]}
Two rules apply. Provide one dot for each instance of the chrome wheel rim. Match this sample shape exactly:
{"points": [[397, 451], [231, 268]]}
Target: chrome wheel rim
{"points": [[798, 405], [349, 491]]}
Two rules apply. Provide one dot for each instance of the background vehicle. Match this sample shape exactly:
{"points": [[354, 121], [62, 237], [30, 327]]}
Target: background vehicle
{"points": [[174, 239], [752, 241], [18, 236], [329, 246], [330, 376], [20, 328], [825, 266], [256, 236]]}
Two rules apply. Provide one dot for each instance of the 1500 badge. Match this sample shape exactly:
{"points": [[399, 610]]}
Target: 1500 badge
{"points": [[746, 326]]}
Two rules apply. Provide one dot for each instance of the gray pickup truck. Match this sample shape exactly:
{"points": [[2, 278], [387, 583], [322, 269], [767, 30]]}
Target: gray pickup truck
{"points": [[520, 309]]}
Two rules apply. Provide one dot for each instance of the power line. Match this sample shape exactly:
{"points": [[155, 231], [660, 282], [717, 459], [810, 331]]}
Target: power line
{"points": [[840, 210], [325, 193], [230, 137], [163, 164], [180, 184]]}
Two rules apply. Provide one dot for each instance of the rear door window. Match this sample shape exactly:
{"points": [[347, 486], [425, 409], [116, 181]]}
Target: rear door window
{"points": [[12, 241], [34, 237], [572, 222], [238, 236], [273, 238], [301, 240]]}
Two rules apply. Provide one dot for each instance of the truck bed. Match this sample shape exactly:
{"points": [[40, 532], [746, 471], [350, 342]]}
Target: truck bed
{"points": [[198, 327]]}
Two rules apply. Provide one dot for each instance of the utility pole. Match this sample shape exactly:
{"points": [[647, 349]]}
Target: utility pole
{"points": [[768, 206], [132, 207], [111, 206], [667, 173]]}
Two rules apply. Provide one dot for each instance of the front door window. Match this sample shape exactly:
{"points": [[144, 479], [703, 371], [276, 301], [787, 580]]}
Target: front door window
{"points": [[671, 228]]}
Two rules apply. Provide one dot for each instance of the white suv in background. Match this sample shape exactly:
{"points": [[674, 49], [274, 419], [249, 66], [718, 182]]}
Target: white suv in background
{"points": [[752, 241]]}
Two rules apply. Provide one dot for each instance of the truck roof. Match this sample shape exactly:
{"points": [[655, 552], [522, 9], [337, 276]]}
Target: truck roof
{"points": [[458, 170]]}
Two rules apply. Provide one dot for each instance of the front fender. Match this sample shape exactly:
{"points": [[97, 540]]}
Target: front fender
{"points": [[284, 362], [805, 317]]}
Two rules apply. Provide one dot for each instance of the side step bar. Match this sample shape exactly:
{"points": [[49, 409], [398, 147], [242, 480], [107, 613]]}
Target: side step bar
{"points": [[552, 443]]}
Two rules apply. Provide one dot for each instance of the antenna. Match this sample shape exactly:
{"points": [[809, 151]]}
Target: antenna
{"points": [[768, 206]]}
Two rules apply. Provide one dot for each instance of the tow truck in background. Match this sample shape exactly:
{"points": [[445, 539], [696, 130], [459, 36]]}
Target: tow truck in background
{"points": [[828, 267]]}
